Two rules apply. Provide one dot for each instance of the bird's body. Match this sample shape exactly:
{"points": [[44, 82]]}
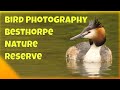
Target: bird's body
{"points": [[85, 52], [92, 51]]}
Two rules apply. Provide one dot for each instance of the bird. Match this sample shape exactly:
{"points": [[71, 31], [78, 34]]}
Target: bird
{"points": [[92, 51]]}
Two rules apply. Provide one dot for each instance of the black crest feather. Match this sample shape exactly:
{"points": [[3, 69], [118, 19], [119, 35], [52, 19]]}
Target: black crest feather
{"points": [[95, 23]]}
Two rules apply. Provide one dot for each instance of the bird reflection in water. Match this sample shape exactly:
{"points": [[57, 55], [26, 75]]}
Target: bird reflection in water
{"points": [[89, 69]]}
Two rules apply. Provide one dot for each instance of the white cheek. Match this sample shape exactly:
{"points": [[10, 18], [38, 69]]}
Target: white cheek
{"points": [[90, 35]]}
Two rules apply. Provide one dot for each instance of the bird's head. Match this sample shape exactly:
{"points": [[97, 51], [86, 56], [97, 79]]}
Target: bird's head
{"points": [[94, 31]]}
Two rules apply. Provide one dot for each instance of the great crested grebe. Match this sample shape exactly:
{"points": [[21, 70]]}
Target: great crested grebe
{"points": [[92, 51]]}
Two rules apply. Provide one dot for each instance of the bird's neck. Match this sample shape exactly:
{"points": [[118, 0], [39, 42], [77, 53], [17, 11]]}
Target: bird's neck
{"points": [[98, 41], [93, 54]]}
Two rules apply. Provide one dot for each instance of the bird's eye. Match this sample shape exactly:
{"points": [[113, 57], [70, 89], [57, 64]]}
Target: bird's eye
{"points": [[88, 31]]}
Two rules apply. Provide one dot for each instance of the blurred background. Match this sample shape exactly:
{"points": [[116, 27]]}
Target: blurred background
{"points": [[54, 47]]}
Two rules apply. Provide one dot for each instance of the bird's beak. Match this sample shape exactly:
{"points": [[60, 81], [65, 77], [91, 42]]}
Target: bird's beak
{"points": [[81, 35], [77, 36]]}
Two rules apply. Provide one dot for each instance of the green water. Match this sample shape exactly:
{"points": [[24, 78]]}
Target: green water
{"points": [[54, 47]]}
